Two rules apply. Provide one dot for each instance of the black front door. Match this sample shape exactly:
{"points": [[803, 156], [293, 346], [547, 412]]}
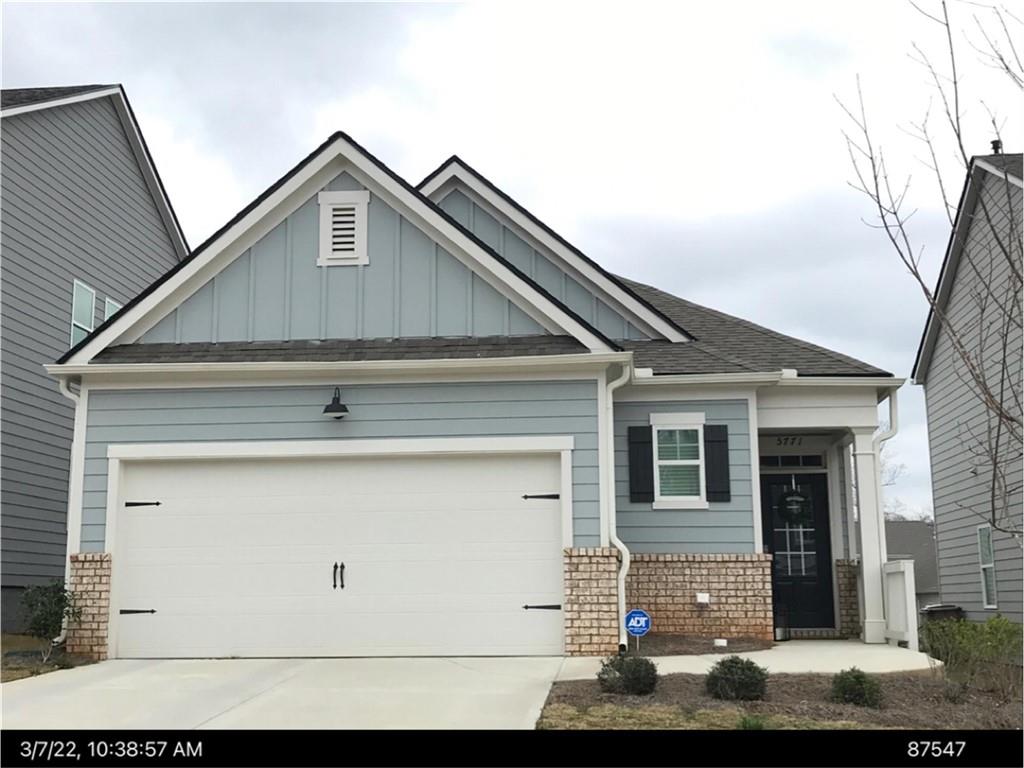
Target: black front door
{"points": [[794, 511]]}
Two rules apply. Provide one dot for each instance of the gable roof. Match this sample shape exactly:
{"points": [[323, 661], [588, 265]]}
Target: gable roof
{"points": [[634, 302], [146, 301], [1008, 167], [17, 101], [727, 344]]}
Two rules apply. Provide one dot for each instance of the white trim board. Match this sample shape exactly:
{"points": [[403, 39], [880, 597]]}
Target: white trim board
{"points": [[456, 170], [337, 155]]}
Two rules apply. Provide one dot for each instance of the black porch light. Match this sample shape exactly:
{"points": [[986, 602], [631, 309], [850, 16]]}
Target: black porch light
{"points": [[336, 408]]}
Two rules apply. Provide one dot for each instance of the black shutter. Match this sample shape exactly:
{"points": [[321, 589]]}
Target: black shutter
{"points": [[716, 461], [641, 465]]}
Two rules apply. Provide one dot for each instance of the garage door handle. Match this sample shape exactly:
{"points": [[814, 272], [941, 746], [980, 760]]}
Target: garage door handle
{"points": [[334, 580], [341, 576], [557, 607]]}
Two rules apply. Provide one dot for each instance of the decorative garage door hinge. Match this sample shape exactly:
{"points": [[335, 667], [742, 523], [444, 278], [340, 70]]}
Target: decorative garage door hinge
{"points": [[137, 610], [551, 607], [142, 503], [542, 496]]}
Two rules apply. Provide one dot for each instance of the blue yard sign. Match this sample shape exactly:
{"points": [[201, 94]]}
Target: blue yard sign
{"points": [[638, 623]]}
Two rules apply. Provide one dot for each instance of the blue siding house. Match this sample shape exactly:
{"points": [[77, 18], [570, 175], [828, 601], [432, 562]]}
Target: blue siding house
{"points": [[363, 407], [85, 226]]}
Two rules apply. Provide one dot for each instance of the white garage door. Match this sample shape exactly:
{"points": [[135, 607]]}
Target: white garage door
{"points": [[339, 557]]}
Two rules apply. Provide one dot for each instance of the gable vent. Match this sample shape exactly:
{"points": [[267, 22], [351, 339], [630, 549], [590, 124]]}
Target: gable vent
{"points": [[343, 228]]}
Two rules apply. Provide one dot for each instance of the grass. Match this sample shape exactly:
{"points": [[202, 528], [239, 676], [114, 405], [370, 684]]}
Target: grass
{"points": [[19, 658]]}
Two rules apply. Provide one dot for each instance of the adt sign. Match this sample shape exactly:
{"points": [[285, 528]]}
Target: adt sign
{"points": [[638, 623]]}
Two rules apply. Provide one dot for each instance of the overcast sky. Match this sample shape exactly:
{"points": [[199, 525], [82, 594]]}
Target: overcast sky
{"points": [[692, 145]]}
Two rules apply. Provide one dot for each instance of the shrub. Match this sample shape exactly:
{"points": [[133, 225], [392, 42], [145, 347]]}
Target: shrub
{"points": [[853, 686], [751, 723], [628, 674], [976, 655], [46, 608], [737, 679]]}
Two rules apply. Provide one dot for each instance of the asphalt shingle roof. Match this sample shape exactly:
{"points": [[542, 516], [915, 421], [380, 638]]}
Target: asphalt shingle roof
{"points": [[727, 344], [1012, 164], [338, 350], [19, 97]]}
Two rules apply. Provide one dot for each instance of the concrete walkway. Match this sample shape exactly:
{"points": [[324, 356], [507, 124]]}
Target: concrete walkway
{"points": [[825, 656], [285, 693]]}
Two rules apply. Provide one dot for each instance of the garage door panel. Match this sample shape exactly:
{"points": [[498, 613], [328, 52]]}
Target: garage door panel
{"points": [[440, 555]]}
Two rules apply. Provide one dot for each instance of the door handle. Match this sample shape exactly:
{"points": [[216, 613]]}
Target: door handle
{"points": [[341, 576], [334, 581]]}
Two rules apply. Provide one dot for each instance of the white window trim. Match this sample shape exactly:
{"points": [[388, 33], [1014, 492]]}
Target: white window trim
{"points": [[107, 311], [982, 565], [92, 311], [679, 421], [327, 201]]}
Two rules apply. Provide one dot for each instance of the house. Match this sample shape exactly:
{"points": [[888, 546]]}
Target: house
{"points": [[915, 540], [368, 418], [976, 456], [86, 225]]}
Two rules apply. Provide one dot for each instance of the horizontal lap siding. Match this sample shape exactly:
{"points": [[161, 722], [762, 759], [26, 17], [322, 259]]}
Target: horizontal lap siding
{"points": [[725, 527], [959, 485], [375, 411], [74, 204]]}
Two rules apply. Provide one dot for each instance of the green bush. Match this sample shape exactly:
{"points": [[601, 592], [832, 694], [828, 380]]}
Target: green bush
{"points": [[751, 723], [737, 679], [628, 674], [46, 608], [853, 686], [975, 654]]}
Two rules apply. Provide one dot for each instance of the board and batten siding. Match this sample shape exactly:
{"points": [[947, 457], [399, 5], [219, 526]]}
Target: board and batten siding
{"points": [[275, 291], [533, 259], [375, 411], [724, 527], [960, 497], [74, 204]]}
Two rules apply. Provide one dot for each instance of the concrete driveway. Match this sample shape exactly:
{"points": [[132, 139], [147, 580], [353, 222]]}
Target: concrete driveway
{"points": [[285, 693]]}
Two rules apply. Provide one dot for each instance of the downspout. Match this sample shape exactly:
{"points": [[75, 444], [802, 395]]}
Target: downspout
{"points": [[62, 384], [609, 481], [877, 443]]}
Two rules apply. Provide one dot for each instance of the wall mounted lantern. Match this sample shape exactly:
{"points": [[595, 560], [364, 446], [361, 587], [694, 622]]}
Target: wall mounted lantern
{"points": [[336, 408]]}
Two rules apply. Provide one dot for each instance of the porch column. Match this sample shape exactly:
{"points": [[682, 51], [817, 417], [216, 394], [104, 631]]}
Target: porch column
{"points": [[872, 533]]}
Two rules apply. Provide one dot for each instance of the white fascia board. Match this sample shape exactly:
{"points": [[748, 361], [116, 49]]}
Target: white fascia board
{"points": [[255, 224], [173, 371], [751, 379], [1000, 173], [77, 98], [627, 301], [342, 447], [886, 382]]}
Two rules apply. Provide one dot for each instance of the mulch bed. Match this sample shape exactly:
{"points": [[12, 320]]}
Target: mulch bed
{"points": [[687, 645], [910, 700]]}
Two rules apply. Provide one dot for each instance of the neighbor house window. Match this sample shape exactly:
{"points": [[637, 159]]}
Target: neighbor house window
{"points": [[987, 558], [678, 444], [343, 228], [110, 308], [83, 311]]}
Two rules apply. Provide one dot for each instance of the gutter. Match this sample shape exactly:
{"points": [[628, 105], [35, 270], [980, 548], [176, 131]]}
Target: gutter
{"points": [[66, 391], [609, 491]]}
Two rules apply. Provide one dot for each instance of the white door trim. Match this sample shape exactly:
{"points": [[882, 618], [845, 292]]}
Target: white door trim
{"points": [[138, 452]]}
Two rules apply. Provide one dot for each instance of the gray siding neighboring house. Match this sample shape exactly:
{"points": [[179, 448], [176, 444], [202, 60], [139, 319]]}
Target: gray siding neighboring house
{"points": [[915, 540], [80, 201], [956, 417]]}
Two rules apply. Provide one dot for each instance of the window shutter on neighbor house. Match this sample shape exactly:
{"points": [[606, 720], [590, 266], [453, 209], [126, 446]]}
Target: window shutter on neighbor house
{"points": [[641, 465], [716, 462]]}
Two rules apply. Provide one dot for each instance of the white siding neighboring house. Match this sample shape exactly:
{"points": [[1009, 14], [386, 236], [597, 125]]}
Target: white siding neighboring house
{"points": [[85, 226], [368, 418], [980, 567]]}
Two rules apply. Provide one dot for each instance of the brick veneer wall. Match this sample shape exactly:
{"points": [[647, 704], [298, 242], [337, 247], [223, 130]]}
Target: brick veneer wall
{"points": [[590, 607], [849, 604], [740, 585], [90, 583]]}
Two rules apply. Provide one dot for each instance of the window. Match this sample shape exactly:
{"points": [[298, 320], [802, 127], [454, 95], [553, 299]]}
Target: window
{"points": [[83, 311], [678, 443], [987, 558], [343, 228], [110, 308]]}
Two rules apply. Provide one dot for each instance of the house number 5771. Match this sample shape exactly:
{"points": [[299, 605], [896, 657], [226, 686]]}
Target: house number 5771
{"points": [[789, 440]]}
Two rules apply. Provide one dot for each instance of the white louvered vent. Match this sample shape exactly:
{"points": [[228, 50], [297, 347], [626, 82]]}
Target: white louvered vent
{"points": [[343, 228]]}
